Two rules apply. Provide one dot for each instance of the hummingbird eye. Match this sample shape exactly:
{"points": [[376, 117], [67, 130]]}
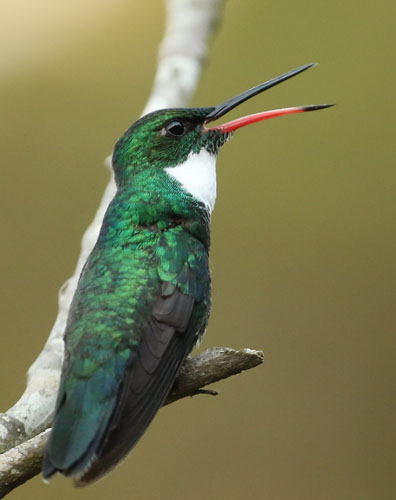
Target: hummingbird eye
{"points": [[175, 128]]}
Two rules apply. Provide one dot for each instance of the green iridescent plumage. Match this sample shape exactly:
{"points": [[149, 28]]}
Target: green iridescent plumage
{"points": [[153, 246]]}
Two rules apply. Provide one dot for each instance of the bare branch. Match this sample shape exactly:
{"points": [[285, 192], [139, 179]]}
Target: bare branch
{"points": [[21, 463], [24, 461], [211, 366]]}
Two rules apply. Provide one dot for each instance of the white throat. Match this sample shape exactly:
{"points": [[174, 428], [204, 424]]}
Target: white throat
{"points": [[197, 175]]}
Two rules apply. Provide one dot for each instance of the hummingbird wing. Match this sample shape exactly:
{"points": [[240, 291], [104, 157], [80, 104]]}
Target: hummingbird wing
{"points": [[104, 414], [154, 367]]}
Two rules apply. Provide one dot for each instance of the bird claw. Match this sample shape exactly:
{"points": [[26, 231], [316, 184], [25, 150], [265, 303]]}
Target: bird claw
{"points": [[211, 392]]}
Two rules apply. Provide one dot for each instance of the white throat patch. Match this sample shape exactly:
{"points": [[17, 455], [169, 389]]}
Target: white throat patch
{"points": [[198, 176]]}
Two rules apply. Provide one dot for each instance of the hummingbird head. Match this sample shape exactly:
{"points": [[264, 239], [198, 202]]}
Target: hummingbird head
{"points": [[166, 138], [180, 143]]}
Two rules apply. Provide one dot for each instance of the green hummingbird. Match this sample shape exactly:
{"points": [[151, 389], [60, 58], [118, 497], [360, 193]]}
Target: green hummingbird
{"points": [[143, 298]]}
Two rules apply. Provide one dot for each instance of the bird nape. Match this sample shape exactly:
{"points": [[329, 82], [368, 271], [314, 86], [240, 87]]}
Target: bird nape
{"points": [[143, 297]]}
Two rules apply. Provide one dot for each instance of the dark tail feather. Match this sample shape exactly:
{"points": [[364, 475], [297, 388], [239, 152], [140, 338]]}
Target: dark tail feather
{"points": [[143, 394], [82, 416]]}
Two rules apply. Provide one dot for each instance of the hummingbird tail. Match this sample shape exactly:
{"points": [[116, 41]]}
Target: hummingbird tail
{"points": [[87, 447], [84, 407]]}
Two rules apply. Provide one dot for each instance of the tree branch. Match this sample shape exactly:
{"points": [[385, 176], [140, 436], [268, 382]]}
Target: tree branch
{"points": [[24, 461]]}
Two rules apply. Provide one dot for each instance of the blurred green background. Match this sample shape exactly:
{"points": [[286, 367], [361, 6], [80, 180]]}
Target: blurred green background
{"points": [[304, 245]]}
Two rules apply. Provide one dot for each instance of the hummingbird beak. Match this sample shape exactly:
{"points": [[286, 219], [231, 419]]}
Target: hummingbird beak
{"points": [[230, 104]]}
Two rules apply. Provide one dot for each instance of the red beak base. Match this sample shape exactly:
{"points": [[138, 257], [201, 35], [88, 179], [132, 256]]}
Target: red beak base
{"points": [[265, 115]]}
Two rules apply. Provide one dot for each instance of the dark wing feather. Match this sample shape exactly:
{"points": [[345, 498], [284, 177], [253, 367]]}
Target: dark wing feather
{"points": [[108, 410], [169, 337]]}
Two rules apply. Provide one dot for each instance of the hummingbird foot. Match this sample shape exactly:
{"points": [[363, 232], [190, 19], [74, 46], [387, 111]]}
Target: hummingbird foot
{"points": [[211, 392]]}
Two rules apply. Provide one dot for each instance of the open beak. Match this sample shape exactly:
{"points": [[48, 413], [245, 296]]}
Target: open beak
{"points": [[230, 104]]}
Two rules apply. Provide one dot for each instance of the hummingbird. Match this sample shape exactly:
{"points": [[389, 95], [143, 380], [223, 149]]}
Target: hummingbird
{"points": [[143, 297]]}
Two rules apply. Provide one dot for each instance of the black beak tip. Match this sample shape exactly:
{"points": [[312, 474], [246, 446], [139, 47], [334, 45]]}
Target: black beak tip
{"points": [[315, 107]]}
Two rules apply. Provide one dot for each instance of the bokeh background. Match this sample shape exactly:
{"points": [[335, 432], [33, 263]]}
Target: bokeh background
{"points": [[304, 245]]}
